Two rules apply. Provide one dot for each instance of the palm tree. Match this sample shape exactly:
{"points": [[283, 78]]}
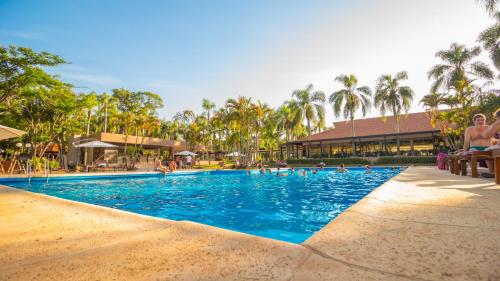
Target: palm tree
{"points": [[239, 111], [208, 107], [261, 111], [490, 5], [458, 69], [349, 100], [88, 102], [271, 133], [107, 103], [490, 40], [391, 96], [432, 102], [311, 104]]}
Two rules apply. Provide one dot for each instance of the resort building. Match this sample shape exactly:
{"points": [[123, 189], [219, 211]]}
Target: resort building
{"points": [[151, 147], [373, 137]]}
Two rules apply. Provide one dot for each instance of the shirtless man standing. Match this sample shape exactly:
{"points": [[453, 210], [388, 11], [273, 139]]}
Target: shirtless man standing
{"points": [[474, 139]]}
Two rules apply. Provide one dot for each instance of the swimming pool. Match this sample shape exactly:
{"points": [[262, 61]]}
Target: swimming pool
{"points": [[290, 208]]}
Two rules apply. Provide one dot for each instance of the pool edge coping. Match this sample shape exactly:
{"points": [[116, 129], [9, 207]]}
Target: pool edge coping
{"points": [[170, 221]]}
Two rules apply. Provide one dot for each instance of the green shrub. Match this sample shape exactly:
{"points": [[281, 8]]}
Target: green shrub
{"points": [[54, 164], [329, 161], [401, 160]]}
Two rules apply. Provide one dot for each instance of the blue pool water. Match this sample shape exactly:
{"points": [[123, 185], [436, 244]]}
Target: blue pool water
{"points": [[285, 208]]}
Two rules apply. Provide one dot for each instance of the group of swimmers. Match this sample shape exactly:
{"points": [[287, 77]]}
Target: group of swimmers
{"points": [[304, 172]]}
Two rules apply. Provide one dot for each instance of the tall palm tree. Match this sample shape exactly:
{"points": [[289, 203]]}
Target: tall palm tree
{"points": [[490, 38], [311, 104], [432, 102], [208, 107], [391, 96], [239, 111], [106, 103], [458, 69], [349, 100], [261, 111], [271, 133]]}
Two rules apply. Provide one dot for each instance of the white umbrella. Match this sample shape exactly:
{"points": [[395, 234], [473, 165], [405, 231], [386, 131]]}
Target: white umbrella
{"points": [[8, 133], [96, 144], [234, 154], [186, 153], [92, 144]]}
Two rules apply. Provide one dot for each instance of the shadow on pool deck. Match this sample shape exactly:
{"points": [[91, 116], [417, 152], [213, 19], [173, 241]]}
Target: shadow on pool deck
{"points": [[424, 224]]}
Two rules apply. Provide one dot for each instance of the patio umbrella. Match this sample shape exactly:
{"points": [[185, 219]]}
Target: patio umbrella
{"points": [[8, 133], [186, 153], [234, 154], [96, 143], [93, 144]]}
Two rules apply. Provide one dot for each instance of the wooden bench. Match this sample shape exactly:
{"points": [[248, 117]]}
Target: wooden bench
{"points": [[474, 157]]}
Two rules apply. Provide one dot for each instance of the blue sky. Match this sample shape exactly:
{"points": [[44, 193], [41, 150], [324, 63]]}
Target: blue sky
{"points": [[189, 50]]}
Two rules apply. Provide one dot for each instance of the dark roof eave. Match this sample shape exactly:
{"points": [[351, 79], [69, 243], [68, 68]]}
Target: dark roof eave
{"points": [[361, 137]]}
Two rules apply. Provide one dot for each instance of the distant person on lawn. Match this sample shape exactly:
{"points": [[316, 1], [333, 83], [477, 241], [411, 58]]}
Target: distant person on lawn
{"points": [[189, 161]]}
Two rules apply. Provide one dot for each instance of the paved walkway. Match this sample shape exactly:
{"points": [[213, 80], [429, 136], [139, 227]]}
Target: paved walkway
{"points": [[422, 225]]}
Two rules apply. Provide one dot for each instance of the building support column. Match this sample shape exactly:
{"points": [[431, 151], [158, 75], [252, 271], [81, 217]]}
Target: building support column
{"points": [[412, 150], [320, 149]]}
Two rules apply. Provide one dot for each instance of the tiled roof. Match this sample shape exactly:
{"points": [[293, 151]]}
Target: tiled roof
{"points": [[409, 123]]}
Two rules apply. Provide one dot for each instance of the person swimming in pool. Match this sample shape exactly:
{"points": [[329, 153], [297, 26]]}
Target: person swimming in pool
{"points": [[368, 169], [474, 139], [342, 168]]}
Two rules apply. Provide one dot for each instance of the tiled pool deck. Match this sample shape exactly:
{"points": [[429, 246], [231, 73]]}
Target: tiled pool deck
{"points": [[424, 224]]}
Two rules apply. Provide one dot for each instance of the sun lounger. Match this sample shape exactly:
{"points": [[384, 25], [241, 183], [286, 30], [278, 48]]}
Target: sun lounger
{"points": [[472, 158]]}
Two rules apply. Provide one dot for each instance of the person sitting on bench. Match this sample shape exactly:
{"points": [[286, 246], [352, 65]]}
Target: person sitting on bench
{"points": [[474, 139]]}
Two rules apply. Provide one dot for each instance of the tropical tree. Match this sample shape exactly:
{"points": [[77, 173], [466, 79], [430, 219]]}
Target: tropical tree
{"points": [[489, 38], [311, 107], [106, 110], [129, 104], [239, 111], [261, 111], [432, 102], [271, 133], [22, 68], [350, 100], [457, 74], [458, 69], [88, 102], [208, 107], [42, 112], [391, 96]]}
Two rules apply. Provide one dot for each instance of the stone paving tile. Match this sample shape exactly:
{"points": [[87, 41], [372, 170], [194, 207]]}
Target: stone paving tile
{"points": [[448, 215], [318, 268], [416, 250]]}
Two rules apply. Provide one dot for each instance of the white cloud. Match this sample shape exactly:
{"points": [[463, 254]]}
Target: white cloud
{"points": [[30, 35], [101, 80], [383, 36]]}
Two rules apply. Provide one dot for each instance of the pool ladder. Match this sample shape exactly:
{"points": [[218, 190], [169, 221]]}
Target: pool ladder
{"points": [[28, 170], [47, 170]]}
